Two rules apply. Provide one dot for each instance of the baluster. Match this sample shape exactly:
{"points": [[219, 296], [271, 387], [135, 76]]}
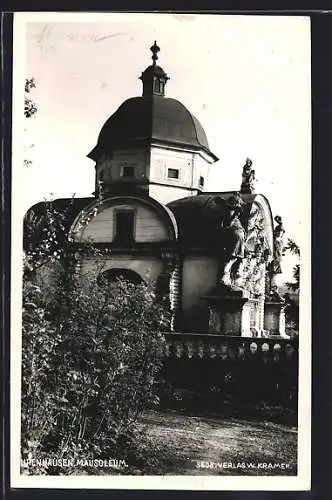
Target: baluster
{"points": [[200, 349], [253, 347], [190, 349], [212, 351], [179, 349], [276, 355], [241, 350], [265, 352], [223, 351]]}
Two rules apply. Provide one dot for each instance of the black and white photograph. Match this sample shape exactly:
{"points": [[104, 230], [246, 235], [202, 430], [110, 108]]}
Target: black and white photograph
{"points": [[160, 275]]}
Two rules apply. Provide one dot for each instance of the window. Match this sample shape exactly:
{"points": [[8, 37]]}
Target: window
{"points": [[127, 171], [157, 86], [201, 181], [124, 226], [121, 273], [173, 173]]}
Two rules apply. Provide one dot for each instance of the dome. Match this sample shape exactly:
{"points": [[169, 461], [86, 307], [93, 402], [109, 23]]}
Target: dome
{"points": [[155, 69], [142, 120], [207, 215]]}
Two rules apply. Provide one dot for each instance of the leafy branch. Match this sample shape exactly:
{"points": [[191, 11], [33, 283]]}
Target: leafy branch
{"points": [[30, 108]]}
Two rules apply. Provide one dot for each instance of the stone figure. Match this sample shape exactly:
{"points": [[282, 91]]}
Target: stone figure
{"points": [[278, 235], [234, 239], [248, 178], [274, 268], [258, 280]]}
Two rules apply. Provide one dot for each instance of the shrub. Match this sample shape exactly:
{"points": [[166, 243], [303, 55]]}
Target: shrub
{"points": [[91, 352]]}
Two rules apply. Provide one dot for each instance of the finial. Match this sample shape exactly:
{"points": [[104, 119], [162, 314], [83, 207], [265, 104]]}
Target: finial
{"points": [[154, 77], [154, 49]]}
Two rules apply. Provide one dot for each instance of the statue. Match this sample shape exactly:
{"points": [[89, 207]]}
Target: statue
{"points": [[278, 238], [278, 235], [234, 239], [248, 178]]}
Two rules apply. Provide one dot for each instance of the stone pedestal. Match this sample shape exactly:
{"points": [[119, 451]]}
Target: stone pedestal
{"points": [[251, 325], [228, 314], [274, 318]]}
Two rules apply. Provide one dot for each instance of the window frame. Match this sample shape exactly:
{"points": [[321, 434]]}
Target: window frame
{"points": [[123, 167], [116, 239], [174, 170]]}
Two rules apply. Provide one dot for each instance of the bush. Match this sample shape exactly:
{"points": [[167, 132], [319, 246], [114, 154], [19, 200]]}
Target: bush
{"points": [[91, 352]]}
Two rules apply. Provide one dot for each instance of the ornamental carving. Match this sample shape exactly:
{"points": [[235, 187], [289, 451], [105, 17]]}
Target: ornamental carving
{"points": [[279, 245], [233, 241], [245, 250]]}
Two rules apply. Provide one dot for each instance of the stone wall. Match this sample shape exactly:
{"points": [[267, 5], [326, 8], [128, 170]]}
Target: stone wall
{"points": [[199, 276], [234, 369]]}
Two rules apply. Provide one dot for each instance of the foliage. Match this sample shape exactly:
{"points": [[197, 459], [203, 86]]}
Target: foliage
{"points": [[292, 307], [45, 235], [294, 249], [91, 352], [30, 108], [294, 286]]}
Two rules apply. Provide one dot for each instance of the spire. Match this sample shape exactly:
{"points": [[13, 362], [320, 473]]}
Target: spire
{"points": [[154, 49], [154, 77]]}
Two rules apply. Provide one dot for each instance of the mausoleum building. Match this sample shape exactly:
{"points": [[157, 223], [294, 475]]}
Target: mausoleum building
{"points": [[211, 256]]}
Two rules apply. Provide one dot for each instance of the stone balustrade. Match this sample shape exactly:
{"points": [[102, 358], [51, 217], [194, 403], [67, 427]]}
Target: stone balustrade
{"points": [[210, 346]]}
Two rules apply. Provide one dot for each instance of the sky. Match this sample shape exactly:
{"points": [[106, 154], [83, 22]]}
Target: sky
{"points": [[246, 78]]}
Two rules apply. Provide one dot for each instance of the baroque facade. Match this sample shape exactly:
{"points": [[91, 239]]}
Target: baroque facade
{"points": [[213, 256]]}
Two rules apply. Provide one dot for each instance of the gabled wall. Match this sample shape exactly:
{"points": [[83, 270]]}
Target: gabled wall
{"points": [[151, 221]]}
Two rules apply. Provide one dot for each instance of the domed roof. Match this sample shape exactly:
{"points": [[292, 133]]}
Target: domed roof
{"points": [[207, 212], [155, 69], [150, 118]]}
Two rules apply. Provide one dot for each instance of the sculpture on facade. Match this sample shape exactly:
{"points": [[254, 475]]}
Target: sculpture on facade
{"points": [[279, 246], [256, 275], [248, 178], [233, 241]]}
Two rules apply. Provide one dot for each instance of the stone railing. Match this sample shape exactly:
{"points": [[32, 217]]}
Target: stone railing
{"points": [[209, 346]]}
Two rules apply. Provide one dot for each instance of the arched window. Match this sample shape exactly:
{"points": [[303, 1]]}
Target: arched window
{"points": [[122, 274]]}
